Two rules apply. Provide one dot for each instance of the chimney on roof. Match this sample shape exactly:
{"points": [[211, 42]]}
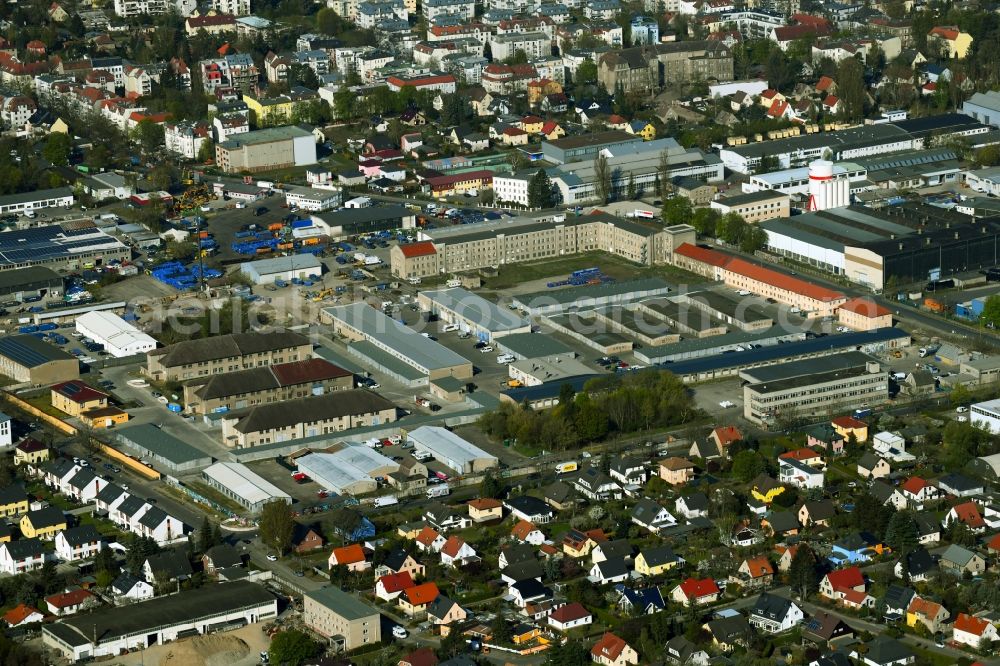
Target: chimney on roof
{"points": [[928, 240], [956, 235], [900, 246]]}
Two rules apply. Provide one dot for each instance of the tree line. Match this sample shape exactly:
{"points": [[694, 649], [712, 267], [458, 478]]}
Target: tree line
{"points": [[616, 404]]}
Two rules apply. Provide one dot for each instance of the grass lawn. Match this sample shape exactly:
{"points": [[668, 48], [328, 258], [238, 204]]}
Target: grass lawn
{"points": [[43, 402], [511, 275]]}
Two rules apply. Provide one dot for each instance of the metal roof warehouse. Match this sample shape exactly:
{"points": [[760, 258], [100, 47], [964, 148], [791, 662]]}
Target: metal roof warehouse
{"points": [[57, 247], [349, 469], [451, 450], [239, 483], [472, 313], [161, 447]]}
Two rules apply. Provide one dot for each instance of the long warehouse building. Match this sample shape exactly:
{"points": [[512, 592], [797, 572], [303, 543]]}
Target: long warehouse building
{"points": [[60, 248], [249, 489], [393, 346], [119, 338], [111, 631], [347, 469], [472, 313], [451, 450]]}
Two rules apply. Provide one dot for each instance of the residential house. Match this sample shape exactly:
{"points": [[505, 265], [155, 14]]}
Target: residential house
{"points": [[650, 515], [558, 495], [773, 614], [352, 556], [642, 601], [897, 599], [610, 550], [13, 501], [928, 529], [826, 630], [781, 524], [399, 561], [415, 600], [22, 555], [656, 560], [848, 425], [532, 509], [754, 573], [695, 592], [628, 471], [917, 565], [569, 616], [856, 547], [165, 567], [70, 601], [885, 651], [22, 615], [526, 591], [485, 509], [526, 532], [676, 471], [615, 570], [785, 556], [960, 485], [871, 466], [887, 494], [457, 552], [429, 540], [825, 436], [721, 438], [43, 523], [306, 539], [577, 544], [78, 543], [958, 560], [928, 613], [816, 513], [968, 514], [390, 586], [444, 518], [729, 632], [420, 657], [795, 473], [765, 489], [953, 42], [31, 452], [131, 589], [680, 651], [974, 632], [691, 506], [596, 485], [611, 650], [220, 558], [836, 582], [444, 611]]}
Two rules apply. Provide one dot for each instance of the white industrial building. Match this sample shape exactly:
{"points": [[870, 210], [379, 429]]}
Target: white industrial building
{"points": [[472, 313], [986, 181], [111, 631], [119, 337], [451, 450], [238, 483], [350, 469], [826, 188], [313, 199], [266, 271], [986, 415]]}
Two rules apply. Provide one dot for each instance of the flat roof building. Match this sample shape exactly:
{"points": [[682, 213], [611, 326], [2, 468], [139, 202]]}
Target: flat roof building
{"points": [[348, 622], [472, 313], [535, 371], [29, 284], [266, 271], [59, 197], [247, 488], [266, 149], [755, 206], [306, 417], [533, 345], [584, 146], [365, 327], [155, 444], [348, 468], [27, 359], [354, 221], [451, 450], [60, 248], [787, 392], [120, 338], [555, 301], [110, 631]]}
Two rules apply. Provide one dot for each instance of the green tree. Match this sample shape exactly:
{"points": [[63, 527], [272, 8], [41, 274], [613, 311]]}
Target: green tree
{"points": [[754, 238], [902, 534], [747, 465], [704, 221], [277, 526], [206, 152], [803, 575], [767, 164], [540, 190], [57, 148], [586, 72], [490, 487], [851, 88], [602, 179], [293, 647], [631, 190], [677, 210], [148, 136], [960, 395], [991, 312]]}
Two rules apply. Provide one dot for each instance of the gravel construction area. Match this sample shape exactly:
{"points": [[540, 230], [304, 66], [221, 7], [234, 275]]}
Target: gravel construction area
{"points": [[235, 648]]}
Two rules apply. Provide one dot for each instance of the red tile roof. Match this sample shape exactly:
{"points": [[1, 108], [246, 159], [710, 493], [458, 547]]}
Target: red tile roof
{"points": [[805, 453], [782, 281], [760, 566], [67, 599], [849, 421], [865, 307], [831, 101], [846, 579], [452, 546], [694, 588], [19, 614], [349, 554], [485, 504], [968, 513], [778, 108], [428, 535], [703, 254], [420, 595], [396, 582], [994, 543], [727, 434], [914, 485], [569, 613], [522, 530], [31, 445], [824, 83], [420, 657], [949, 32], [309, 370], [970, 624], [609, 647], [421, 249]]}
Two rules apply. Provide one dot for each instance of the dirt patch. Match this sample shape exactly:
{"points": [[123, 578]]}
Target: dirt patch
{"points": [[219, 650]]}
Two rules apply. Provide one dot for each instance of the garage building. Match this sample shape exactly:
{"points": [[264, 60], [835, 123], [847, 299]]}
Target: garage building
{"points": [[32, 283], [348, 469], [25, 358], [556, 301], [249, 489], [266, 271], [120, 338], [472, 313], [60, 248], [163, 449], [451, 450], [111, 631]]}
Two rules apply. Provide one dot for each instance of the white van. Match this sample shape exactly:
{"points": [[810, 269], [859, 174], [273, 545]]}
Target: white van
{"points": [[505, 358], [450, 327]]}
